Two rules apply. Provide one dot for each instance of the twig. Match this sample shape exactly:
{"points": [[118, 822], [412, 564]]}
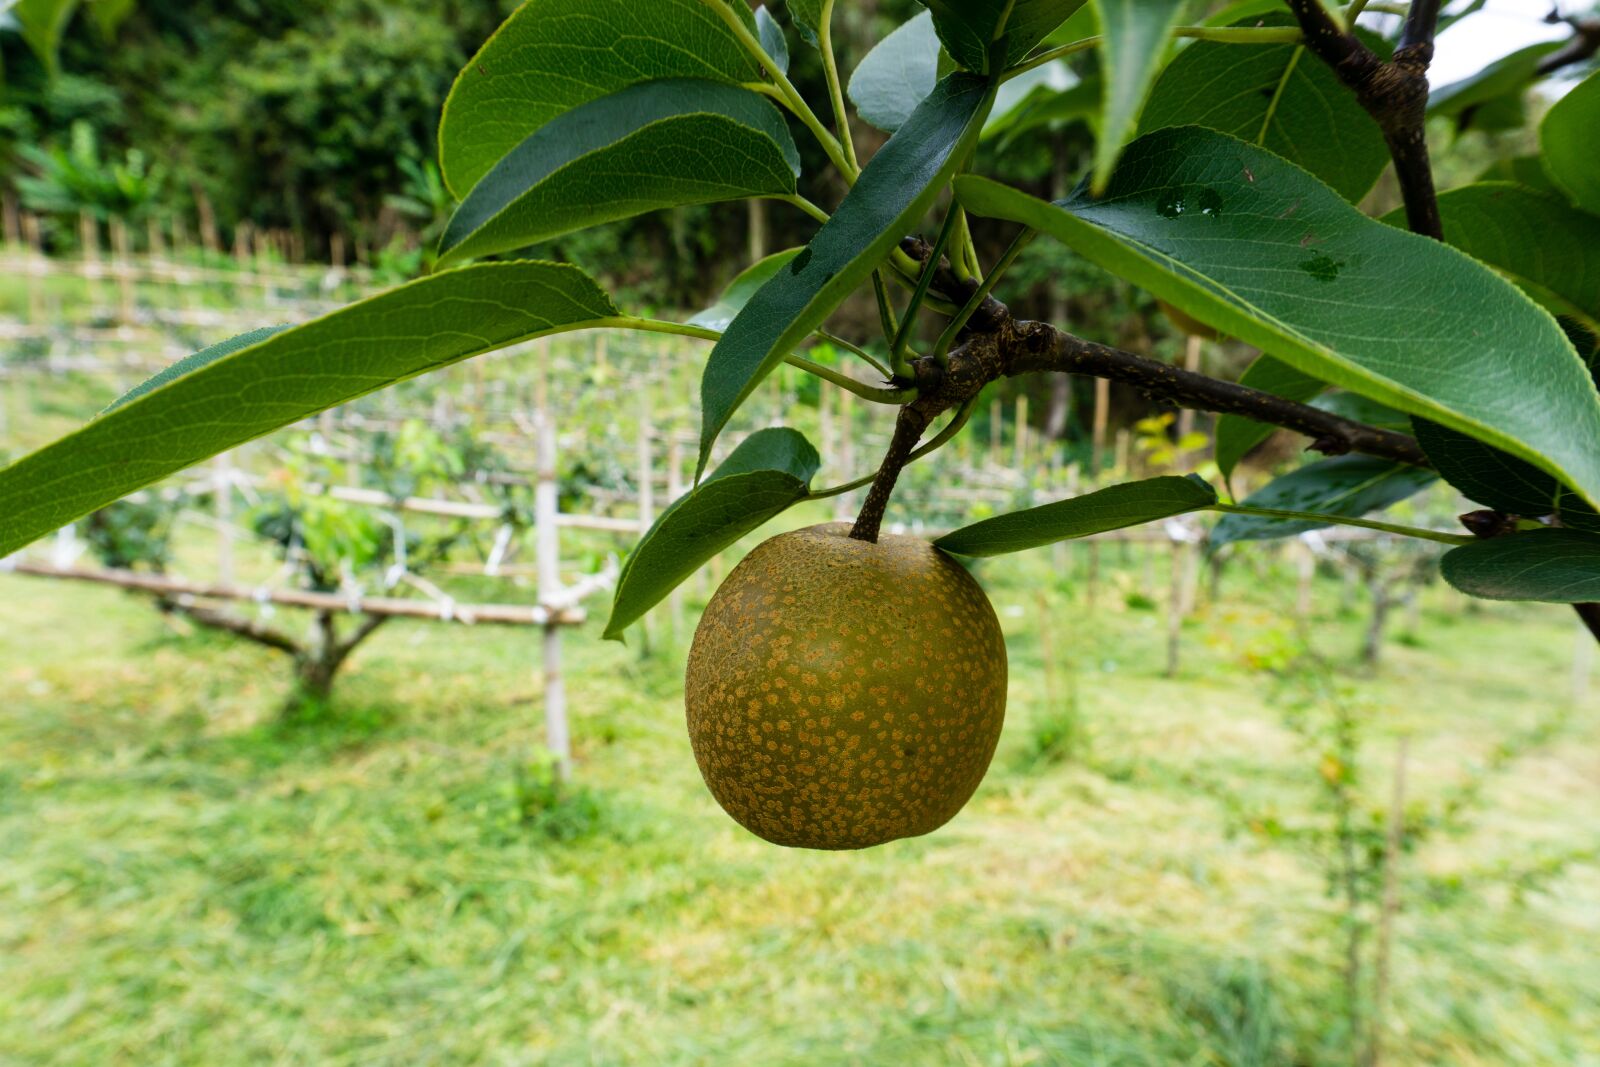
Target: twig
{"points": [[908, 430], [1038, 346], [1395, 94], [252, 629], [1585, 42]]}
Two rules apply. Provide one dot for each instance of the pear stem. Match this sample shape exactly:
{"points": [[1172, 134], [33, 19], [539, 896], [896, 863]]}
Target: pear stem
{"points": [[908, 429]]}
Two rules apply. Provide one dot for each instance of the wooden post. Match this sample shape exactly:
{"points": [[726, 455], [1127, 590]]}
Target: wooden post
{"points": [[674, 491], [1191, 362], [1582, 661], [756, 211], [222, 508], [1124, 443], [547, 546], [1022, 435], [647, 488], [123, 267], [996, 422], [210, 239], [11, 212], [35, 242], [336, 250], [825, 433], [1306, 572], [842, 510], [1180, 568], [89, 247], [153, 238], [1102, 412], [1047, 652]]}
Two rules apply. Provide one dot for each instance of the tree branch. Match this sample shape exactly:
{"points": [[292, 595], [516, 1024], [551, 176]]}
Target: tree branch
{"points": [[1038, 346], [216, 619], [1395, 94], [996, 345], [908, 429], [1584, 44]]}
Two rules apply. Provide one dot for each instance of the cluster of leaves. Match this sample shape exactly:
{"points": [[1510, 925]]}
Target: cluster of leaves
{"points": [[1223, 182]]}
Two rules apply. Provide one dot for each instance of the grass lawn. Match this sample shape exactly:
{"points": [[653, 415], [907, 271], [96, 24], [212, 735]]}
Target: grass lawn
{"points": [[1142, 879]]}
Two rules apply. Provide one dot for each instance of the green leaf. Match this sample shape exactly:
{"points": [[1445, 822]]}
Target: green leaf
{"points": [[1567, 141], [235, 392], [1112, 508], [650, 146], [1555, 566], [1487, 475], [1046, 106], [1237, 435], [1546, 246], [741, 289], [1492, 98], [807, 15], [1134, 35], [897, 74], [1257, 248], [1277, 96], [549, 57], [896, 188], [769, 471], [773, 42], [973, 30], [1035, 99], [1524, 170], [42, 23], [1346, 486], [1348, 405], [109, 15], [194, 361]]}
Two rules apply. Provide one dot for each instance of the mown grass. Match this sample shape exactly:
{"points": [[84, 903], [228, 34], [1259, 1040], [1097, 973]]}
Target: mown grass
{"points": [[188, 879]]}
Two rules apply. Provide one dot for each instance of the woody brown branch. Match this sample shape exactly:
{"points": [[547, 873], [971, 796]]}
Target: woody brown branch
{"points": [[1394, 93]]}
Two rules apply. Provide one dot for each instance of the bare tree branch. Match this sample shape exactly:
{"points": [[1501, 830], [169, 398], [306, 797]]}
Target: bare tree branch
{"points": [[1394, 93], [217, 619]]}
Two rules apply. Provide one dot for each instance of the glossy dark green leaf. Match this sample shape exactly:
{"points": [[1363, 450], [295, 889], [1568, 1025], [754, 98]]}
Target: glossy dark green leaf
{"points": [[1492, 98], [773, 42], [1544, 244], [769, 472], [897, 74], [1134, 35], [236, 393], [1346, 486], [1250, 244], [1277, 96], [1112, 508], [977, 33], [1567, 140], [1523, 170], [741, 289], [1487, 475], [1555, 566], [895, 190], [42, 22], [654, 145], [1237, 435], [551, 56]]}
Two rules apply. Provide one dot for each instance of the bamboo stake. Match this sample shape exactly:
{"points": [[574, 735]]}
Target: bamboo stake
{"points": [[548, 551]]}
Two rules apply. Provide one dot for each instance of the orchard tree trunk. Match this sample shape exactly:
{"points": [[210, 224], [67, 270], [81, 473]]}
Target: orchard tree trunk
{"points": [[318, 661]]}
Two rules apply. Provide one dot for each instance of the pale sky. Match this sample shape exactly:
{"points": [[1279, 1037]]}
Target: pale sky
{"points": [[1502, 27]]}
